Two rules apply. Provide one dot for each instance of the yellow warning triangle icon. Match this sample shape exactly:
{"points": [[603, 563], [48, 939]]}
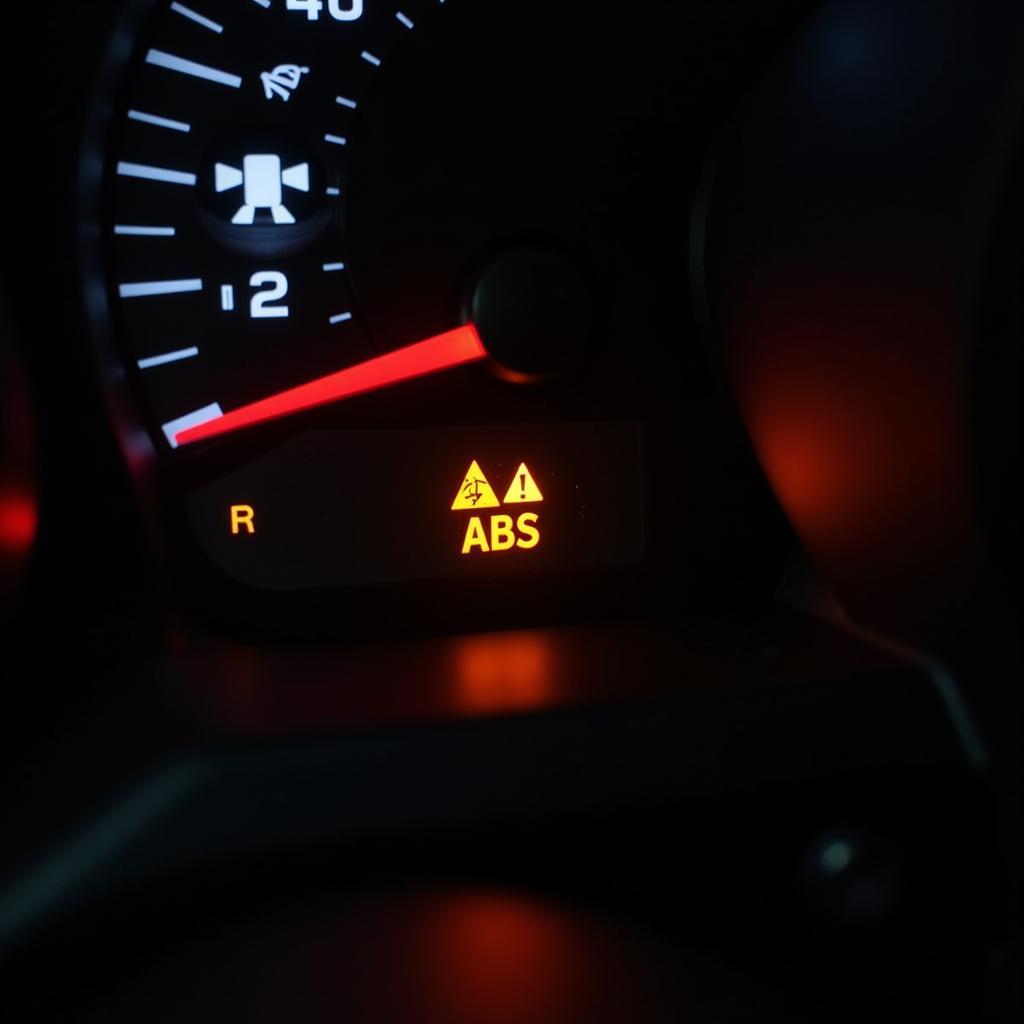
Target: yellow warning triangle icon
{"points": [[523, 488], [475, 491]]}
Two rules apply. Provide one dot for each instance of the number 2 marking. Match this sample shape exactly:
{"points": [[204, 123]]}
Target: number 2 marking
{"points": [[275, 287]]}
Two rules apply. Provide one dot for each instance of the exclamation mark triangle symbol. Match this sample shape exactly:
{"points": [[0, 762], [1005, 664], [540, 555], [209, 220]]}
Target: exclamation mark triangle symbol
{"points": [[523, 488]]}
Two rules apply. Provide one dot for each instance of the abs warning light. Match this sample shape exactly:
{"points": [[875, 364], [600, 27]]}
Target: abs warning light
{"points": [[523, 488], [475, 491], [493, 533]]}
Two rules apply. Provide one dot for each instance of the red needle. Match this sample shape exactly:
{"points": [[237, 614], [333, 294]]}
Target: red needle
{"points": [[454, 348]]}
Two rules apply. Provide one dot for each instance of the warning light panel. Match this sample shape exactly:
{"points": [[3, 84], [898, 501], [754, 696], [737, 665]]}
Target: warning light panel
{"points": [[498, 532], [332, 508]]}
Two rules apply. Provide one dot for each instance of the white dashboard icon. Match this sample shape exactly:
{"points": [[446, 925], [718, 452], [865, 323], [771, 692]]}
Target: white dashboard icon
{"points": [[264, 181]]}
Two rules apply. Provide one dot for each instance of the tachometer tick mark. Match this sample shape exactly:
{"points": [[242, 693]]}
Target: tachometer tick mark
{"points": [[192, 419], [159, 122], [405, 20], [147, 173], [170, 62], [370, 58], [199, 19], [143, 231], [168, 357], [147, 288]]}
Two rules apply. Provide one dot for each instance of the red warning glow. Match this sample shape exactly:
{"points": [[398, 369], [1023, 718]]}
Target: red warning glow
{"points": [[18, 522]]}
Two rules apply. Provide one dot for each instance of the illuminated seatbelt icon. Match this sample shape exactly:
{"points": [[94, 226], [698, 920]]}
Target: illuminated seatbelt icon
{"points": [[282, 81], [264, 182]]}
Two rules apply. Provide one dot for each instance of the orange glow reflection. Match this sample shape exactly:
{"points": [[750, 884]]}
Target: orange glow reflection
{"points": [[478, 955], [457, 677], [852, 404], [498, 958], [501, 672]]}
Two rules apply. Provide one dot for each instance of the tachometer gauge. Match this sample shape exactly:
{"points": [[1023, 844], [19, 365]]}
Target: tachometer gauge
{"points": [[400, 287], [230, 258]]}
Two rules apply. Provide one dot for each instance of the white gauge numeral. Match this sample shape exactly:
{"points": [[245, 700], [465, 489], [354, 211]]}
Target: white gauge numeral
{"points": [[311, 7], [274, 287], [346, 10], [340, 10]]}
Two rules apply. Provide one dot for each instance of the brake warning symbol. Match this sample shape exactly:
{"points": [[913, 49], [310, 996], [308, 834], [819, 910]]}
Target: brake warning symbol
{"points": [[523, 488], [475, 491]]}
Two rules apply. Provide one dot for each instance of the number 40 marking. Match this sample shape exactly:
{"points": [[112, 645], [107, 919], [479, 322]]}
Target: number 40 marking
{"points": [[340, 10]]}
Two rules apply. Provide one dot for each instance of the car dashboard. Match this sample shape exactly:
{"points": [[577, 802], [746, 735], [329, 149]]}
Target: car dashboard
{"points": [[509, 511]]}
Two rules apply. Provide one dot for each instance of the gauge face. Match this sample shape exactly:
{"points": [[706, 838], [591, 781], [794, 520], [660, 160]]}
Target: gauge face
{"points": [[264, 154], [402, 286], [230, 261]]}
